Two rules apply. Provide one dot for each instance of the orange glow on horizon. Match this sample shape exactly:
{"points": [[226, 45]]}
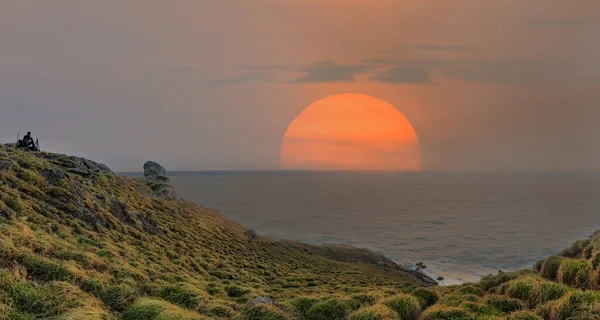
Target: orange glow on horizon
{"points": [[351, 132]]}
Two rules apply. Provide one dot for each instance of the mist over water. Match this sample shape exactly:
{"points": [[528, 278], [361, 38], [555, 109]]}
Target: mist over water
{"points": [[461, 225]]}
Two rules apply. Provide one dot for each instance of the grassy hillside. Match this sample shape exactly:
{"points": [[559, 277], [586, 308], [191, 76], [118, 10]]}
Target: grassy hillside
{"points": [[80, 242]]}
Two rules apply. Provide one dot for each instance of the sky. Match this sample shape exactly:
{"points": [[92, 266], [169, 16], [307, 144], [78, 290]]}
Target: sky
{"points": [[213, 85]]}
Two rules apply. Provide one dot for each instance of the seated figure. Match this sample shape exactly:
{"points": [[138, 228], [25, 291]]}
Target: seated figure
{"points": [[27, 142]]}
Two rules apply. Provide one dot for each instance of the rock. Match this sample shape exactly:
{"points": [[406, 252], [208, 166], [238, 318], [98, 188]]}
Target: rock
{"points": [[54, 175], [103, 168], [118, 209], [156, 176], [101, 199], [153, 170], [6, 165], [80, 166], [251, 234], [92, 219], [262, 300], [146, 221]]}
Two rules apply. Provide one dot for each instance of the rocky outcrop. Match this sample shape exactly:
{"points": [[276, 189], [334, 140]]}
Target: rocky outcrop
{"points": [[81, 166], [5, 165], [156, 175], [134, 219], [54, 175]]}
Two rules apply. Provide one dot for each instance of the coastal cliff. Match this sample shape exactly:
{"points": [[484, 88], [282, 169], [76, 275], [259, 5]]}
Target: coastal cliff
{"points": [[82, 242]]}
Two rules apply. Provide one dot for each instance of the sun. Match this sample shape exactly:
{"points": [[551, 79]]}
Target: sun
{"points": [[350, 132]]}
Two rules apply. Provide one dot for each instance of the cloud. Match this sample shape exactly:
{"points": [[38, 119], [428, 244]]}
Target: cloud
{"points": [[266, 67], [247, 77], [583, 22], [404, 74], [517, 72], [328, 71], [435, 47]]}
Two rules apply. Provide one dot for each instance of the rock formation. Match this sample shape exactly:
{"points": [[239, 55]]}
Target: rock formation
{"points": [[156, 175]]}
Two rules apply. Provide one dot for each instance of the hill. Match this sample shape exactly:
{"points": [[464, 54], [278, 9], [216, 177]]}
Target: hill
{"points": [[81, 242]]}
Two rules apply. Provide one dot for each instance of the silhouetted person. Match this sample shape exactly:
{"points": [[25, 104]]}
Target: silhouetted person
{"points": [[28, 142], [28, 138]]}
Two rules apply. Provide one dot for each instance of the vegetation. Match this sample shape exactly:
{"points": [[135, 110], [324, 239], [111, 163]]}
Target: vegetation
{"points": [[95, 245]]}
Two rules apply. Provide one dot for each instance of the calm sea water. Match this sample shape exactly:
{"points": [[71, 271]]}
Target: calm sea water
{"points": [[461, 225]]}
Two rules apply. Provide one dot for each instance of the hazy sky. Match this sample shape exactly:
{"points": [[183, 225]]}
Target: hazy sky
{"points": [[213, 84]]}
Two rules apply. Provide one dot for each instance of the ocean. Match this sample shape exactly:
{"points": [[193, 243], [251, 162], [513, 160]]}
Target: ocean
{"points": [[461, 225]]}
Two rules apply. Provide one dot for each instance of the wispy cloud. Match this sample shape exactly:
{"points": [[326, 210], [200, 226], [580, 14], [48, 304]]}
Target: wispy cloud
{"points": [[256, 76], [454, 48], [405, 73], [517, 72], [583, 22], [328, 71]]}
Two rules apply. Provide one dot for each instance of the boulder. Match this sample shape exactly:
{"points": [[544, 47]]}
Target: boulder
{"points": [[6, 165], [156, 176], [251, 234], [154, 171], [262, 300], [54, 175]]}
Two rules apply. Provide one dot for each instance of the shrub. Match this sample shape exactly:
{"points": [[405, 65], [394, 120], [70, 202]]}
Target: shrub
{"points": [[300, 306], [523, 315], [572, 303], [550, 267], [438, 312], [45, 270], [587, 252], [550, 291], [504, 304], [264, 312], [426, 297], [183, 296], [235, 291], [222, 312], [13, 203], [573, 251], [596, 260], [489, 282], [455, 300], [364, 299], [376, 312], [526, 290], [151, 309], [537, 266], [45, 301], [574, 273], [481, 310], [331, 309], [407, 306], [470, 289], [120, 297], [93, 286]]}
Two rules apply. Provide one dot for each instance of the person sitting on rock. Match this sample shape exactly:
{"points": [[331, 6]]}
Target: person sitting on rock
{"points": [[28, 142]]}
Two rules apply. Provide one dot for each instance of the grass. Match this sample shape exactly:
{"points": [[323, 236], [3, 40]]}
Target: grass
{"points": [[407, 306], [199, 263], [376, 312], [152, 309], [184, 296], [331, 309], [67, 253]]}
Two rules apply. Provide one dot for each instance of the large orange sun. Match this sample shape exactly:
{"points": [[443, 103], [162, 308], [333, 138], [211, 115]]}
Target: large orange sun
{"points": [[351, 132]]}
